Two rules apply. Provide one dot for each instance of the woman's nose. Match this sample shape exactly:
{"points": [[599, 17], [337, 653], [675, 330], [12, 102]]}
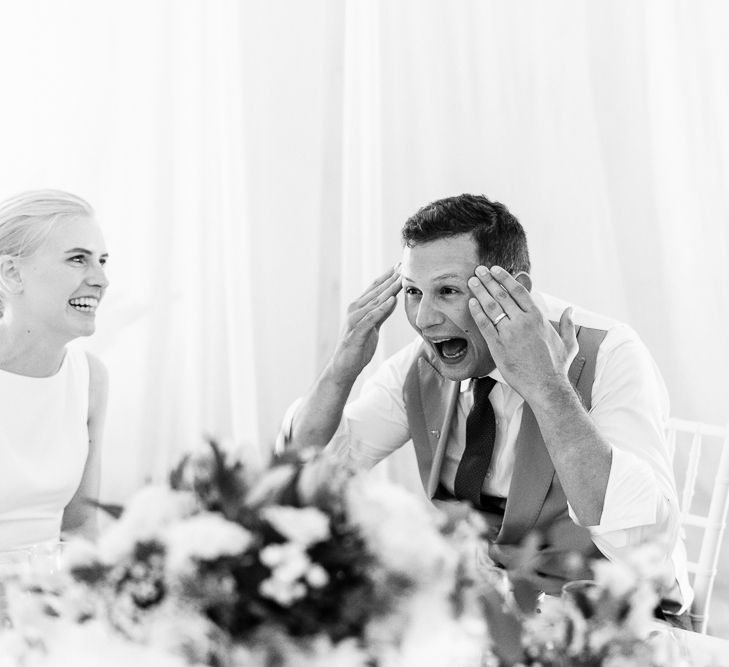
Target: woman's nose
{"points": [[97, 277]]}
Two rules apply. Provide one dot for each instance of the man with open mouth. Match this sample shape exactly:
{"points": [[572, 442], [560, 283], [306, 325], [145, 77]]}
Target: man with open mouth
{"points": [[546, 419]]}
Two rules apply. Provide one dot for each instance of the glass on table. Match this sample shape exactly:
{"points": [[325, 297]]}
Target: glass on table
{"points": [[46, 559], [583, 594], [40, 564]]}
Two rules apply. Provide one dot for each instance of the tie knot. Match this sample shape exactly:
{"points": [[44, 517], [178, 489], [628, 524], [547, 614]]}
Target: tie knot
{"points": [[482, 388]]}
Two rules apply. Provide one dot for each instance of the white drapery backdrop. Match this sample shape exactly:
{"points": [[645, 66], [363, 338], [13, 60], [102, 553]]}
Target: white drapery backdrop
{"points": [[252, 163]]}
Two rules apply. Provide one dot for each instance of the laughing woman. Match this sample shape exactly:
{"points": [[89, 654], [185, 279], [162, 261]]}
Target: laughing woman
{"points": [[52, 396]]}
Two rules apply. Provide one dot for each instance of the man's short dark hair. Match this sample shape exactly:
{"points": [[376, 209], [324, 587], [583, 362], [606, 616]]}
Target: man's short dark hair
{"points": [[499, 236]]}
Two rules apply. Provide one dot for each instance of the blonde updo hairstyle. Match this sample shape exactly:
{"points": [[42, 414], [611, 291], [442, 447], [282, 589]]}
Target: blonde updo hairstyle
{"points": [[27, 219]]}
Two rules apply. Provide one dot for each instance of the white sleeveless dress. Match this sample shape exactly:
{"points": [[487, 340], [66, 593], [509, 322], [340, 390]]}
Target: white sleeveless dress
{"points": [[44, 443]]}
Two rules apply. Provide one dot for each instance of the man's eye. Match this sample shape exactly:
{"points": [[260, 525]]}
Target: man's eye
{"points": [[448, 290], [412, 291], [102, 261]]}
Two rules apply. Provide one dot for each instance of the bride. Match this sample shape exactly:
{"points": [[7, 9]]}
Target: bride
{"points": [[52, 396]]}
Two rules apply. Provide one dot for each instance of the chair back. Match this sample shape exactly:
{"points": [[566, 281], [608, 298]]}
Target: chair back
{"points": [[698, 438]]}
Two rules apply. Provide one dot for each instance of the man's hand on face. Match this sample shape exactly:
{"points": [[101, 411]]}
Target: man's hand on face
{"points": [[531, 355], [365, 315]]}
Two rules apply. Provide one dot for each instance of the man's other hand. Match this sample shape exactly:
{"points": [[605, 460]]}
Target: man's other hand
{"points": [[365, 316], [531, 355]]}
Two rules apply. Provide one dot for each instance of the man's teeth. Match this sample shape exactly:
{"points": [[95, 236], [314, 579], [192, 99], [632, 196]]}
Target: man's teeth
{"points": [[451, 348]]}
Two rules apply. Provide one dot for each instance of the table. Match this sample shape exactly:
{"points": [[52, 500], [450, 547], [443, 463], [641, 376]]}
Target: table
{"points": [[700, 650]]}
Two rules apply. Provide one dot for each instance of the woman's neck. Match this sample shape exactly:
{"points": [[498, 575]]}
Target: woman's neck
{"points": [[24, 353]]}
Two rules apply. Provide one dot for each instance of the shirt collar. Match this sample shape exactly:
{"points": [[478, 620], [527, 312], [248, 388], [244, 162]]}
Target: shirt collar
{"points": [[495, 374]]}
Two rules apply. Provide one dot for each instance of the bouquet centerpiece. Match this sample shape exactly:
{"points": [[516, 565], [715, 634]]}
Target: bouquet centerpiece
{"points": [[304, 563]]}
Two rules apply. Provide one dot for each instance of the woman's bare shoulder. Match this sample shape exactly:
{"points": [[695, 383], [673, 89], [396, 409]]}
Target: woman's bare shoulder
{"points": [[98, 383]]}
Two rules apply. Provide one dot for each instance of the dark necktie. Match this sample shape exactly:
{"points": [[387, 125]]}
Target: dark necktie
{"points": [[480, 437]]}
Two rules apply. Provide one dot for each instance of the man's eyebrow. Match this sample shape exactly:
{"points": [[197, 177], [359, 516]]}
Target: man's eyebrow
{"points": [[84, 251], [444, 276]]}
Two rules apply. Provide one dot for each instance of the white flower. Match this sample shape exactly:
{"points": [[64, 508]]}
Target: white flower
{"points": [[283, 592], [642, 603], [651, 562], [431, 635], [617, 577], [145, 517], [643, 568], [182, 631], [290, 567], [316, 576], [400, 530], [90, 644], [272, 554], [602, 636], [205, 536], [288, 562], [79, 552], [321, 652], [303, 525]]}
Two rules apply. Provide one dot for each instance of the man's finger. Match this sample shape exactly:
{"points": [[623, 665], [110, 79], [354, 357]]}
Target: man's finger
{"points": [[484, 324], [386, 309], [490, 306], [516, 290], [374, 317], [567, 331], [381, 283], [498, 293], [359, 310], [374, 289]]}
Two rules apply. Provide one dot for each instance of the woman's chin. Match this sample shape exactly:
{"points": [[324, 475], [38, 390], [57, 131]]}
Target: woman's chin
{"points": [[87, 329]]}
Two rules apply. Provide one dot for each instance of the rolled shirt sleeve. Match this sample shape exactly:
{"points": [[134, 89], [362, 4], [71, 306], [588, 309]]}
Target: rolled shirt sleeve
{"points": [[630, 409], [374, 424]]}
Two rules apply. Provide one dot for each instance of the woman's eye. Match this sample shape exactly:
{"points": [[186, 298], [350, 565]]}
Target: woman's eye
{"points": [[412, 291], [78, 259], [449, 290]]}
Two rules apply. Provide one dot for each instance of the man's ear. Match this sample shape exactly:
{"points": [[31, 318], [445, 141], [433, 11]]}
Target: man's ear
{"points": [[525, 279], [10, 280]]}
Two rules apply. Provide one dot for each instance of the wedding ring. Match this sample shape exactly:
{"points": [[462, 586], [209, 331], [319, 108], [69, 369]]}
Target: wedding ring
{"points": [[499, 317]]}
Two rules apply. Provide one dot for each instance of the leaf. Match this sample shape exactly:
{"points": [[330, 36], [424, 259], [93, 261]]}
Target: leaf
{"points": [[526, 593], [228, 481], [178, 472], [112, 509], [505, 629]]}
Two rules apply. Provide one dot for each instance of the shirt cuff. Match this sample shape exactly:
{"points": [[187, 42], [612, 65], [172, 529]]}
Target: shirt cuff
{"points": [[287, 424], [340, 446], [631, 497]]}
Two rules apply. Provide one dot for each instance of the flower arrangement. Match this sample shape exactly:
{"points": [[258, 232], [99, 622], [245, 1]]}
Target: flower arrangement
{"points": [[604, 622], [304, 563]]}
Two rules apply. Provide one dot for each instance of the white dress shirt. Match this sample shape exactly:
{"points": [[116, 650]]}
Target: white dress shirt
{"points": [[629, 409]]}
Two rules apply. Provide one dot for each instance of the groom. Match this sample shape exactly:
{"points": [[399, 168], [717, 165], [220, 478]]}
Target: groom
{"points": [[548, 421]]}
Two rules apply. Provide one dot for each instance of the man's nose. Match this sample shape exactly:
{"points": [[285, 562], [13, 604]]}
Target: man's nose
{"points": [[427, 315]]}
